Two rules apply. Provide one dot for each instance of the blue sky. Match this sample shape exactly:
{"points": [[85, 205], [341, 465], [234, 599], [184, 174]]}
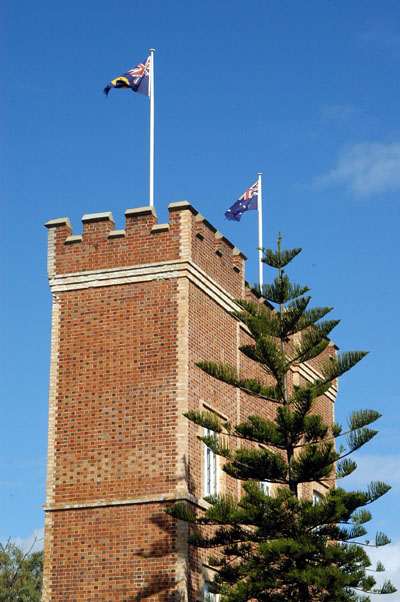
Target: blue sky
{"points": [[306, 92]]}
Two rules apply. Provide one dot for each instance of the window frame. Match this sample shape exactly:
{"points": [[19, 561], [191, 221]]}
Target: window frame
{"points": [[265, 487], [316, 497], [211, 465]]}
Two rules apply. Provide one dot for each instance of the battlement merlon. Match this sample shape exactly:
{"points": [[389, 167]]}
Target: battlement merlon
{"points": [[188, 236]]}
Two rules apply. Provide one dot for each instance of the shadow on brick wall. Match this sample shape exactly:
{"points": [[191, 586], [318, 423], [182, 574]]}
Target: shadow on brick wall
{"points": [[171, 541]]}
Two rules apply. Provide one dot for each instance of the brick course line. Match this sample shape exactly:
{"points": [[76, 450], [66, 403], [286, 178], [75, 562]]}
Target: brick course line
{"points": [[143, 273], [150, 499]]}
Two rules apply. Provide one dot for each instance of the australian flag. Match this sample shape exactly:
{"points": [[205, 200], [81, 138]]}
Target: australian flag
{"points": [[248, 201], [136, 79]]}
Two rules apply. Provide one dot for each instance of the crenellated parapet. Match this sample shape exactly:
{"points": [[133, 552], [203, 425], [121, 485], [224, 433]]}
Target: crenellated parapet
{"points": [[187, 238]]}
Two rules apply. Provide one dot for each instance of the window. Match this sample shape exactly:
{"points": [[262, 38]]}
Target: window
{"points": [[316, 497], [208, 596], [210, 469], [265, 487]]}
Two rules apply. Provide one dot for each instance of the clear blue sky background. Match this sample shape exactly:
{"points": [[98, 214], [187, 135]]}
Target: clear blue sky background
{"points": [[307, 92]]}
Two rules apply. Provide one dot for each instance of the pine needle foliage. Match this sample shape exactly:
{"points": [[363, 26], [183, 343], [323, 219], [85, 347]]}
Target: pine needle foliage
{"points": [[284, 547]]}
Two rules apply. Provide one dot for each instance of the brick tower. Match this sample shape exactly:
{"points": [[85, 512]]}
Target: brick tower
{"points": [[133, 310]]}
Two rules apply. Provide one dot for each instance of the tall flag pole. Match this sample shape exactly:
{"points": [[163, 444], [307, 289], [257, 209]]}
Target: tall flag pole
{"points": [[260, 244], [141, 79], [251, 199], [151, 97]]}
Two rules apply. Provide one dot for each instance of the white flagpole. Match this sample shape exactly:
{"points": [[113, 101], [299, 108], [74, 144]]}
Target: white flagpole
{"points": [[151, 97], [259, 207]]}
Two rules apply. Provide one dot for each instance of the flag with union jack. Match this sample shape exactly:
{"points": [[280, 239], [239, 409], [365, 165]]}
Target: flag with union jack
{"points": [[248, 201], [136, 79]]}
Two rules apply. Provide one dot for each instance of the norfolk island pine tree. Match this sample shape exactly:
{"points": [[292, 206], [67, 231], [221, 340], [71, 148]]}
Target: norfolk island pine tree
{"points": [[283, 547]]}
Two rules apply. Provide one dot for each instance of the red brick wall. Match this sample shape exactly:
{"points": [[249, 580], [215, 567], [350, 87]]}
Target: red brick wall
{"points": [[115, 431], [126, 553], [133, 311]]}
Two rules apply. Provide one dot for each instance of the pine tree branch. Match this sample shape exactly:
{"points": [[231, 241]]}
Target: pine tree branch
{"points": [[282, 290], [280, 259], [258, 395], [339, 365], [311, 316], [333, 438], [229, 375], [236, 436]]}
